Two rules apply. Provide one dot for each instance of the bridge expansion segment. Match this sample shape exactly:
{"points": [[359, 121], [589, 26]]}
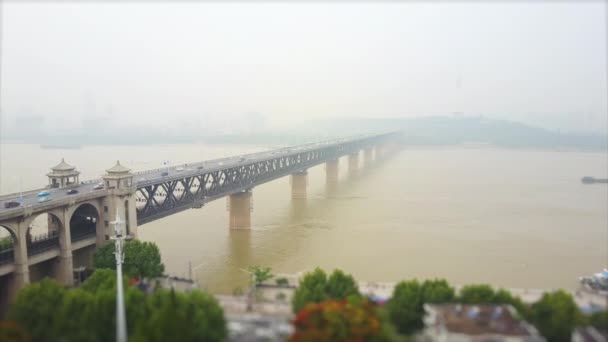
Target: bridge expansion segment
{"points": [[79, 213]]}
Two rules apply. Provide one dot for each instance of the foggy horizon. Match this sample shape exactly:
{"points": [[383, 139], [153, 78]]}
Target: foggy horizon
{"points": [[156, 64]]}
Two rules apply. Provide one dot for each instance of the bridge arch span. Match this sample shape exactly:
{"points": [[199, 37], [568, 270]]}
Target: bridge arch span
{"points": [[8, 240], [8, 230], [84, 221], [42, 232], [74, 208], [8, 243], [43, 226]]}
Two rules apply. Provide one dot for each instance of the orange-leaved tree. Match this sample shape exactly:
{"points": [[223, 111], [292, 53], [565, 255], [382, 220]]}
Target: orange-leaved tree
{"points": [[354, 319]]}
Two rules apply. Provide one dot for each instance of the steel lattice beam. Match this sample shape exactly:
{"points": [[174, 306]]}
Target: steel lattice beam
{"points": [[168, 196]]}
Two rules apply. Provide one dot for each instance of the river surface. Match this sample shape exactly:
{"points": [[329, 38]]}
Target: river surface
{"points": [[512, 218]]}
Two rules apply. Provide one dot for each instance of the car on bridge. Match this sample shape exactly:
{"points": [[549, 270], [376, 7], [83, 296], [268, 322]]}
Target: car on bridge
{"points": [[164, 173], [43, 193], [98, 186], [72, 192], [11, 204], [44, 199]]}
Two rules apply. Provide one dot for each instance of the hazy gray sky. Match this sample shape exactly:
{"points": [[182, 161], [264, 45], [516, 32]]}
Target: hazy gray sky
{"points": [[542, 63]]}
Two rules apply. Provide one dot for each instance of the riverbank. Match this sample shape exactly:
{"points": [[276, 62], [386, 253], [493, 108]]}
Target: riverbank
{"points": [[275, 300]]}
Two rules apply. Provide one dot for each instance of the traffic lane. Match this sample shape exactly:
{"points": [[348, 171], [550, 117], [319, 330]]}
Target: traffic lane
{"points": [[54, 193]]}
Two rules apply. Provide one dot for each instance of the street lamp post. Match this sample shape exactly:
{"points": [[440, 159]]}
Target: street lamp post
{"points": [[121, 319]]}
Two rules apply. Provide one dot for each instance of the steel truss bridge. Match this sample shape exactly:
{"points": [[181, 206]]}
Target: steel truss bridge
{"points": [[163, 192]]}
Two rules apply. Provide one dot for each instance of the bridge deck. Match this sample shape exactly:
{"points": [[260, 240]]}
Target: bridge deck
{"points": [[164, 191]]}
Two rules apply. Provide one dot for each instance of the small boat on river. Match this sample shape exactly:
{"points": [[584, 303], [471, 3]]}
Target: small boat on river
{"points": [[591, 180]]}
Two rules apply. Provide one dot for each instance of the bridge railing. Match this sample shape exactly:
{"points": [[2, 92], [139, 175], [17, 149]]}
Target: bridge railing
{"points": [[297, 149], [7, 255], [42, 243], [82, 233]]}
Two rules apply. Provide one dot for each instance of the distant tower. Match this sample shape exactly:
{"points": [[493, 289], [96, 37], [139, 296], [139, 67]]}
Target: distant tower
{"points": [[63, 175]]}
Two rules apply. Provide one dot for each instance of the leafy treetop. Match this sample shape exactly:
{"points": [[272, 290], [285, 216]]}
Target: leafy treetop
{"points": [[142, 259]]}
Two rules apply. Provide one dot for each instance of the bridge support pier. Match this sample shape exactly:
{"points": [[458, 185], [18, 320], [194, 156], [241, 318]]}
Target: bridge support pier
{"points": [[239, 210], [124, 206], [368, 156], [331, 173], [353, 163], [381, 151], [21, 276], [299, 181], [53, 224], [121, 198], [64, 268]]}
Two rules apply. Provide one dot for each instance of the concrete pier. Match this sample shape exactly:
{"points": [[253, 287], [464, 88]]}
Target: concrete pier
{"points": [[21, 275], [368, 156], [299, 181], [65, 266], [380, 151], [239, 210], [353, 163], [332, 174]]}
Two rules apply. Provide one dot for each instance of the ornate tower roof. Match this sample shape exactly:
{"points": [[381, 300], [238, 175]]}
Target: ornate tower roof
{"points": [[63, 166], [117, 169]]}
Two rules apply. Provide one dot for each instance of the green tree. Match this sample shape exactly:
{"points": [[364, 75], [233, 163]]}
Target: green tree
{"points": [[315, 287], [503, 296], [35, 309], [49, 312], [261, 274], [437, 291], [341, 286], [102, 279], [406, 306], [310, 290], [485, 294], [142, 259], [555, 315], [599, 320], [477, 294], [171, 316], [76, 318]]}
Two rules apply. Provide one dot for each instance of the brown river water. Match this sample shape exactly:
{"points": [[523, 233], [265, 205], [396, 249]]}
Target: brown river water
{"points": [[512, 218]]}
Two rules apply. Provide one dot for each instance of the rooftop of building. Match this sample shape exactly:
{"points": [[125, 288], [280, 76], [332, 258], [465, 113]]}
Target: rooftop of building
{"points": [[590, 334], [480, 319]]}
